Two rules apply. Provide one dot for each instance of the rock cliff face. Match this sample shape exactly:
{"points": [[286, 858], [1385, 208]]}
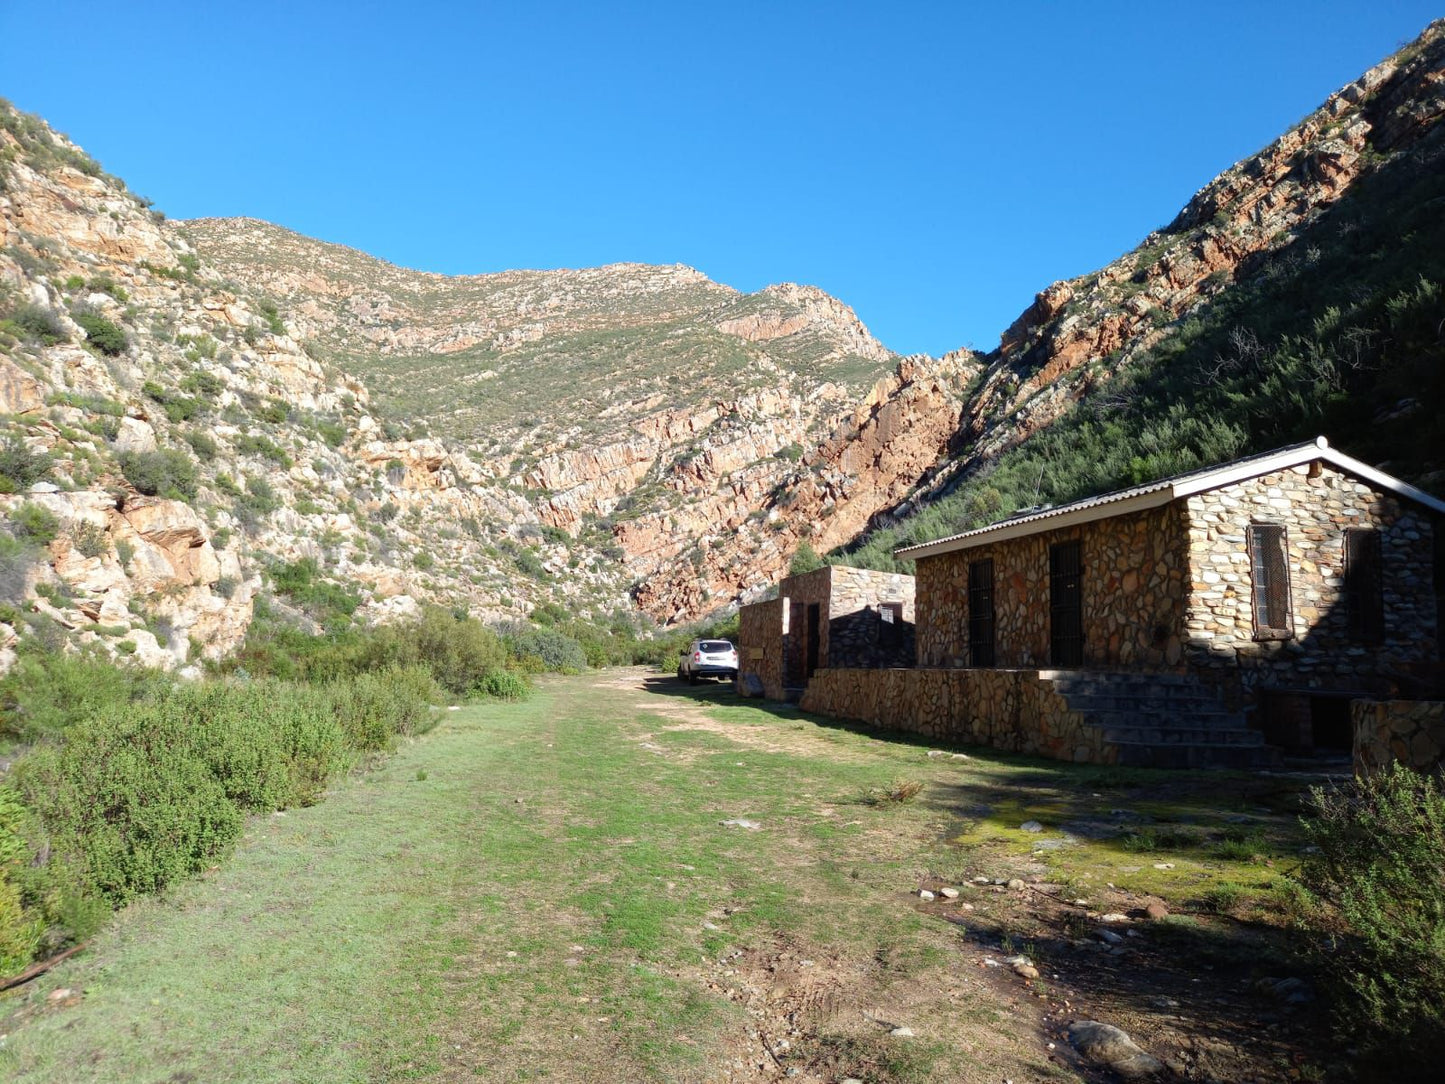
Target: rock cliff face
{"points": [[1080, 332]]}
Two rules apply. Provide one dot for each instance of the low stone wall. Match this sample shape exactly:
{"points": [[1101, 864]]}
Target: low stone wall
{"points": [[1014, 710], [1409, 731]]}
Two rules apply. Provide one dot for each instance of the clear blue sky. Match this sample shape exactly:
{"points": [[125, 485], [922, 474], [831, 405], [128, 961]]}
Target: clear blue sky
{"points": [[934, 165]]}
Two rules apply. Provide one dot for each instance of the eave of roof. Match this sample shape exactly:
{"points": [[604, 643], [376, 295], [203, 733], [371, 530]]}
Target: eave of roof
{"points": [[1155, 494]]}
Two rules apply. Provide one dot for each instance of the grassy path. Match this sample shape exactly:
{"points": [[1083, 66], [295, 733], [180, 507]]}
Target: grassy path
{"points": [[546, 891]]}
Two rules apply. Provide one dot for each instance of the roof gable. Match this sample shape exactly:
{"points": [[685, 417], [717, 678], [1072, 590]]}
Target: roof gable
{"points": [[1155, 494]]}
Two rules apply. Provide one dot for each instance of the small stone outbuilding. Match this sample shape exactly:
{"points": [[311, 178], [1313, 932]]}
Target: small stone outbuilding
{"points": [[1218, 612], [832, 617]]}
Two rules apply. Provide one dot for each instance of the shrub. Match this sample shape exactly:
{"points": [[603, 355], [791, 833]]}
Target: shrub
{"points": [[39, 324], [460, 654], [805, 560], [554, 650], [34, 523], [45, 694], [126, 805], [202, 444], [166, 472], [20, 466], [1375, 900], [89, 539], [100, 333], [504, 685]]}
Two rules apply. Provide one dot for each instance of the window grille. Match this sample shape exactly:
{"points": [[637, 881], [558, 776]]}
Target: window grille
{"points": [[980, 613], [1269, 569], [1066, 604]]}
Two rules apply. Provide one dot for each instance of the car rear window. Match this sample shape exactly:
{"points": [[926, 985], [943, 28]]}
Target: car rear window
{"points": [[712, 647]]}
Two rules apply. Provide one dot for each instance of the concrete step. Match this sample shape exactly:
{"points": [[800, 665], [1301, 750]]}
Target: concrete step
{"points": [[1197, 755], [1205, 720], [1105, 701], [1184, 735]]}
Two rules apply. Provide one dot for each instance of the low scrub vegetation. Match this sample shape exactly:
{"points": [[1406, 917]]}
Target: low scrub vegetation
{"points": [[129, 781], [1374, 898]]}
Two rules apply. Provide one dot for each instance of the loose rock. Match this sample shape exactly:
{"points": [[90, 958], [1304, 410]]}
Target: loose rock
{"points": [[1106, 1045], [1031, 826]]}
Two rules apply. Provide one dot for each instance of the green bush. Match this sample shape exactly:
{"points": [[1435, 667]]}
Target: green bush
{"points": [[460, 654], [38, 324], [89, 539], [34, 523], [554, 650], [166, 472], [45, 694], [105, 336], [127, 804], [20, 466], [1375, 901]]}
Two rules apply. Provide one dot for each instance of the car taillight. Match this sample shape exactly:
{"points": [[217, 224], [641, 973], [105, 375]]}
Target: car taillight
{"points": [[697, 656]]}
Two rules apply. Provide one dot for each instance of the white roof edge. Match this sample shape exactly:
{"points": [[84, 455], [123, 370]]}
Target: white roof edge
{"points": [[1402, 489], [1041, 522], [1160, 493]]}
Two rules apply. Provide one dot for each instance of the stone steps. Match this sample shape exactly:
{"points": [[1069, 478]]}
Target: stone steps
{"points": [[1245, 758], [1163, 721]]}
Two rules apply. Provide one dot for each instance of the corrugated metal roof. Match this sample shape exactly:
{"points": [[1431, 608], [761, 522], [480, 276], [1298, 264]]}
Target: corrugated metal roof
{"points": [[1153, 494]]}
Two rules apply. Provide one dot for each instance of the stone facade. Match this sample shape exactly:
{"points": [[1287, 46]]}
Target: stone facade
{"points": [[773, 636], [1133, 595], [1169, 588], [1411, 732], [1314, 503], [762, 633], [1015, 710]]}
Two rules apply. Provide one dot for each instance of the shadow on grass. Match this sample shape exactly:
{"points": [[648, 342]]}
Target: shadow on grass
{"points": [[1191, 984]]}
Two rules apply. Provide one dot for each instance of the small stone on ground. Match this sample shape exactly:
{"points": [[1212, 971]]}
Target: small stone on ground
{"points": [[1108, 1046]]}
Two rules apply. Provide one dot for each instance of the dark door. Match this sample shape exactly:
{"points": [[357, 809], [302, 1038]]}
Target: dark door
{"points": [[1066, 604], [980, 613], [814, 639]]}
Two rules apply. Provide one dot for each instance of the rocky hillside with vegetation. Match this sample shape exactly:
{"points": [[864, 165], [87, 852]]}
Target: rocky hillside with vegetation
{"points": [[1300, 292], [199, 416]]}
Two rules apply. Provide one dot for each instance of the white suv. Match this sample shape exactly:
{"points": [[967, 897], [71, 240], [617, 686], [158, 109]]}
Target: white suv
{"points": [[707, 658]]}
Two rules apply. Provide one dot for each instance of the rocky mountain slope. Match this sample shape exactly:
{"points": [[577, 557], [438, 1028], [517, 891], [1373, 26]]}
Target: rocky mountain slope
{"points": [[695, 433], [195, 416]]}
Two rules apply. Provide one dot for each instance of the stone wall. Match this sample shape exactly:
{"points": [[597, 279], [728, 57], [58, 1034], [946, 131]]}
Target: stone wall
{"points": [[1133, 587], [1014, 710], [762, 635], [1411, 732], [1314, 503], [856, 636]]}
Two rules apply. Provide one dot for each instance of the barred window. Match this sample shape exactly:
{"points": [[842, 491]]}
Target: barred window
{"points": [[1269, 568]]}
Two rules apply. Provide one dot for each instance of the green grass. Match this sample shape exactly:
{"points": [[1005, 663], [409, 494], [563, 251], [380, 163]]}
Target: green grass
{"points": [[544, 889]]}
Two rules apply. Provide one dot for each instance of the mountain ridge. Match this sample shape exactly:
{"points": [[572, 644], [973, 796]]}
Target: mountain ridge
{"points": [[604, 438]]}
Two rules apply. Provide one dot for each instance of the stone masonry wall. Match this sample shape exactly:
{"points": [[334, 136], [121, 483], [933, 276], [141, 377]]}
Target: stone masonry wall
{"points": [[800, 592], [1409, 731], [1314, 503], [762, 636], [1133, 587], [855, 631], [1014, 710]]}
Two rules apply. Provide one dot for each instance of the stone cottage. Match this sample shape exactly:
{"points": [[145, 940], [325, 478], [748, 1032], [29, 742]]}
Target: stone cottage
{"points": [[1195, 620], [832, 617]]}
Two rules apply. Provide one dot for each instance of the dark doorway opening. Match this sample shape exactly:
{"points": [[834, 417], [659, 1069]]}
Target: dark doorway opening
{"points": [[1330, 727], [814, 640]]}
